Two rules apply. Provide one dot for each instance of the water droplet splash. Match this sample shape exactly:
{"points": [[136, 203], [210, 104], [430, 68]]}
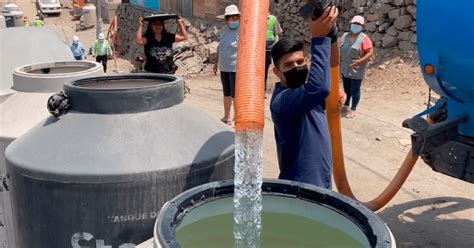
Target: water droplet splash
{"points": [[248, 189]]}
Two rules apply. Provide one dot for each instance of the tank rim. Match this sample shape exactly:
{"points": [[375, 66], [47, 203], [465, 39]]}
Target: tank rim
{"points": [[174, 210], [125, 100], [87, 66]]}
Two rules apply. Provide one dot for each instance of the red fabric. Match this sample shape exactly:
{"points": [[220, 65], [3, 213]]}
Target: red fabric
{"points": [[366, 45]]}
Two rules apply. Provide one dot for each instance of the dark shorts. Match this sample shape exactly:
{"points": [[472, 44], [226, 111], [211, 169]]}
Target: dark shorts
{"points": [[228, 83]]}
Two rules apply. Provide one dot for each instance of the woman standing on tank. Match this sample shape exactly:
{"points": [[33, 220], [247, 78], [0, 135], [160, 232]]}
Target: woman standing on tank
{"points": [[158, 44]]}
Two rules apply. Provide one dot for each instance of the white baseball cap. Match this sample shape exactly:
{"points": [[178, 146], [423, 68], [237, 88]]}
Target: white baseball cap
{"points": [[101, 36], [230, 11], [75, 38]]}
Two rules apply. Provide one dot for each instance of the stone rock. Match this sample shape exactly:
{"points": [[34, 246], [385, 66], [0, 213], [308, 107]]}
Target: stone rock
{"points": [[384, 27], [404, 11], [202, 27], [381, 8], [346, 15], [380, 22], [406, 36], [359, 3], [412, 10], [371, 26], [376, 37], [394, 14], [406, 46], [389, 41], [399, 2], [413, 39], [392, 30], [373, 17], [211, 32], [403, 22]]}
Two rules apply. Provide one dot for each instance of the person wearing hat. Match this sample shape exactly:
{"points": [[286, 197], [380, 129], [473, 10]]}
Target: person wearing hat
{"points": [[227, 57], [38, 22], [25, 22], [158, 44], [102, 50], [77, 49], [356, 51]]}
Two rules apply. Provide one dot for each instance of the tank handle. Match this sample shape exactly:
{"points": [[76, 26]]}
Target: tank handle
{"points": [[59, 104]]}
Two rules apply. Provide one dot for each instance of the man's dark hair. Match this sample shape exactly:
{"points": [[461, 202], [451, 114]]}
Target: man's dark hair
{"points": [[283, 47]]}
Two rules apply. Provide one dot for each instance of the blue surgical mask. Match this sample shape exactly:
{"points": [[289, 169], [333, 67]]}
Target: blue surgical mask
{"points": [[355, 29], [234, 25]]}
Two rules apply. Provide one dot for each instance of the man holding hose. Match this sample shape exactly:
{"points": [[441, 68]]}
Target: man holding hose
{"points": [[297, 105]]}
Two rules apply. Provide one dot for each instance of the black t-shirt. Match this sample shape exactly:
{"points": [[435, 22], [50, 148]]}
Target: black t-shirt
{"points": [[159, 54]]}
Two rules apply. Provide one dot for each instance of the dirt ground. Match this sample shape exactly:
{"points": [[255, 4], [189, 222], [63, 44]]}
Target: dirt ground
{"points": [[431, 210]]}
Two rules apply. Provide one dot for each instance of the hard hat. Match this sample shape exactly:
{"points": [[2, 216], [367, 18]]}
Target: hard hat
{"points": [[75, 38], [230, 10], [37, 18], [101, 36], [358, 19]]}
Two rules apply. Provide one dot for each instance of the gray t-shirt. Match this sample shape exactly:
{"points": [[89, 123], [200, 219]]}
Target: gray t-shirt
{"points": [[228, 49]]}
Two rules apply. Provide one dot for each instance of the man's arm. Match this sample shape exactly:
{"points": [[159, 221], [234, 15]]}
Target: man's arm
{"points": [[315, 91]]}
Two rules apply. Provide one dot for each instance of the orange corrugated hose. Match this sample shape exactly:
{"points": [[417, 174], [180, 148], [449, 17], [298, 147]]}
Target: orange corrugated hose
{"points": [[249, 100], [340, 177]]}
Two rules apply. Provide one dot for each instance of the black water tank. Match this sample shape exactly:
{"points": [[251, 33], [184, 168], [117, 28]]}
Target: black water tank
{"points": [[98, 175]]}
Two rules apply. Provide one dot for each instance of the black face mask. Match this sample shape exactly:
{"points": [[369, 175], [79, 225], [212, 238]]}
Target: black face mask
{"points": [[296, 77]]}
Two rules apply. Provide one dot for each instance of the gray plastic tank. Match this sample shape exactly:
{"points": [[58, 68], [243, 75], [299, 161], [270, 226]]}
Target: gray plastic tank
{"points": [[293, 213], [3, 23], [98, 175], [23, 109]]}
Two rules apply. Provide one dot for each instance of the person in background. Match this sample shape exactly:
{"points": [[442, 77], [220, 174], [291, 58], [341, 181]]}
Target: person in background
{"points": [[227, 58], [25, 22], [40, 15], [356, 51], [38, 22], [158, 45], [77, 49], [297, 105], [102, 50], [273, 32]]}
